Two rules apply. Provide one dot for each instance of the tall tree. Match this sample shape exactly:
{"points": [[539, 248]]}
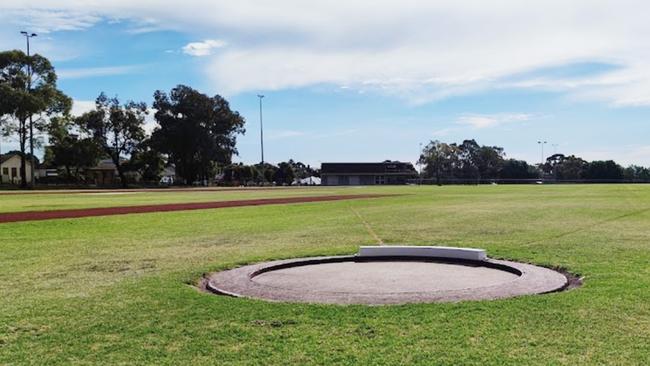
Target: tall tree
{"points": [[479, 162], [27, 89], [570, 168], [440, 160], [68, 150], [117, 129], [196, 131]]}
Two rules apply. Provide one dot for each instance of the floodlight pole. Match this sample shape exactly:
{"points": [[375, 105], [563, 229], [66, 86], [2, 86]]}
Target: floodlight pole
{"points": [[31, 122], [261, 129], [542, 143], [420, 164]]}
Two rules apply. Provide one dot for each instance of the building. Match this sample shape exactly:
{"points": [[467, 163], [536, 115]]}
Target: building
{"points": [[102, 174], [352, 174], [10, 168]]}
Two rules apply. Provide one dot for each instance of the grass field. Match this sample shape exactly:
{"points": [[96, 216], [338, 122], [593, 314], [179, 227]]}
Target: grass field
{"points": [[48, 200], [118, 289]]}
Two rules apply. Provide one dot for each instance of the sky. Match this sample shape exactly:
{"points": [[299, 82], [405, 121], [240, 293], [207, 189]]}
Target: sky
{"points": [[368, 80]]}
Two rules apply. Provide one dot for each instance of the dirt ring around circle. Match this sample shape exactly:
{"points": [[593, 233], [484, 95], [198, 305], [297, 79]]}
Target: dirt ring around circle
{"points": [[385, 279]]}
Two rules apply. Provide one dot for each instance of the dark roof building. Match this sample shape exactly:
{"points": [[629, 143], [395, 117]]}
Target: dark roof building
{"points": [[387, 172]]}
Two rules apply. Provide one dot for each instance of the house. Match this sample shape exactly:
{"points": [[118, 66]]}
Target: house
{"points": [[387, 172], [10, 168], [102, 174]]}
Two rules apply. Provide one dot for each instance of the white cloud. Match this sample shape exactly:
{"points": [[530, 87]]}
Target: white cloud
{"points": [[96, 71], [80, 107], [416, 50], [41, 20], [277, 135], [203, 48], [492, 120], [443, 132]]}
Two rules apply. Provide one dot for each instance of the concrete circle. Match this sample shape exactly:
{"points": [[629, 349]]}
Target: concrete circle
{"points": [[382, 277], [382, 280]]}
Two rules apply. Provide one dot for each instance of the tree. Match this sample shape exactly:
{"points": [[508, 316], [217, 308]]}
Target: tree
{"points": [[606, 170], [570, 168], [147, 161], [195, 130], [302, 170], [517, 169], [268, 171], [117, 129], [489, 160], [284, 174], [247, 173], [440, 160], [637, 173], [69, 150], [27, 89]]}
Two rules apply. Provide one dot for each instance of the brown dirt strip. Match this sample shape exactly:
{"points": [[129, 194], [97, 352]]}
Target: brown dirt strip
{"points": [[156, 190], [123, 210]]}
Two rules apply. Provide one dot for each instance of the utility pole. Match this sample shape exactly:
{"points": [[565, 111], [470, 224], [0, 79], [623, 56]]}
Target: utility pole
{"points": [[261, 129], [31, 122]]}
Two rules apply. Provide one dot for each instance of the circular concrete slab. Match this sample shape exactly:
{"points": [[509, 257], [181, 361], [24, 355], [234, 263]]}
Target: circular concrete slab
{"points": [[383, 277], [381, 280]]}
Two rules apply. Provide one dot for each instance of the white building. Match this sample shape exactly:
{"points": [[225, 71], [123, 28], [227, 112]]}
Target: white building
{"points": [[10, 167]]}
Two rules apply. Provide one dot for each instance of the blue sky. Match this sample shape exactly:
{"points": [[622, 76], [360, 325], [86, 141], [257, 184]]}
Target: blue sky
{"points": [[368, 81]]}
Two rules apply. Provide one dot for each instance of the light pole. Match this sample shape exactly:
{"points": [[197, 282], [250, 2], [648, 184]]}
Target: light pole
{"points": [[261, 129], [420, 164], [29, 90], [542, 143]]}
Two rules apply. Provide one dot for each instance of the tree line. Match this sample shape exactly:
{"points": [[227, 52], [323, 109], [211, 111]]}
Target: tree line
{"points": [[285, 173], [471, 162], [195, 133]]}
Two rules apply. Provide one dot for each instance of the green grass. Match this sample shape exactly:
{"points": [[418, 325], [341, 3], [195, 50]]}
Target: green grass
{"points": [[60, 201], [114, 290]]}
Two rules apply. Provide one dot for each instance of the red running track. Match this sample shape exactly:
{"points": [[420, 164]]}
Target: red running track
{"points": [[123, 210]]}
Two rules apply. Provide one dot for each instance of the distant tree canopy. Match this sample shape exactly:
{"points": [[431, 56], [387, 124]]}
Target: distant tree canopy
{"points": [[28, 89], [147, 161], [302, 171], [195, 131], [116, 128], [451, 162], [285, 173], [562, 167], [636, 173], [466, 161], [517, 169], [70, 151], [603, 170]]}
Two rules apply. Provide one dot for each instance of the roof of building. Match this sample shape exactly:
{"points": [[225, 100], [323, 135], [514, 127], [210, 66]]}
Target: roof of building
{"points": [[386, 167], [5, 157]]}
